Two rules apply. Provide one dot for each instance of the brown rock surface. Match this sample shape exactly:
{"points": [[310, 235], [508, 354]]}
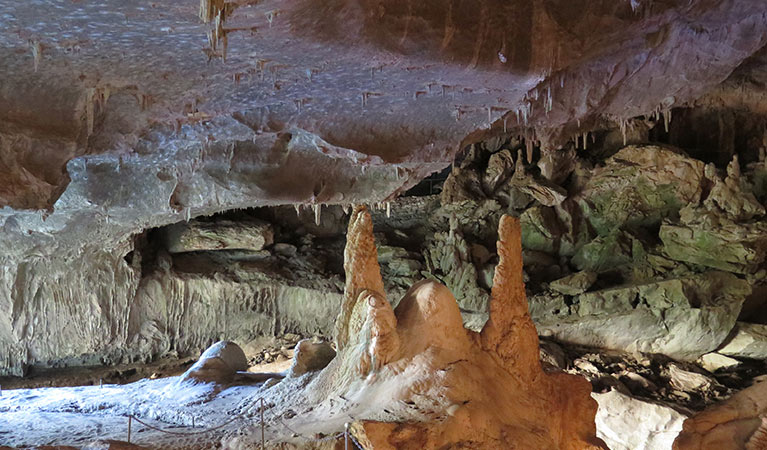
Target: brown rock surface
{"points": [[736, 423]]}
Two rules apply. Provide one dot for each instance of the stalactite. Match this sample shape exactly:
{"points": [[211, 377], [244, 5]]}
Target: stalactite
{"points": [[317, 213], [298, 209], [388, 210]]}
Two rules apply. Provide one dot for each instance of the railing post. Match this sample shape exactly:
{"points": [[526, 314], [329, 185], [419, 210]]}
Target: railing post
{"points": [[346, 436], [263, 443]]}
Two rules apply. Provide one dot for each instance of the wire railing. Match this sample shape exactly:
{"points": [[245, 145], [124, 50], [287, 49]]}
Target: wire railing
{"points": [[346, 434]]}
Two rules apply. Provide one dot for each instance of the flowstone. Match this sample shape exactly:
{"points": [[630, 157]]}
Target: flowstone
{"points": [[435, 384]]}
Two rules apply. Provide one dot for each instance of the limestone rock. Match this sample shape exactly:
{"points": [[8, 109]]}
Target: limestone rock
{"points": [[541, 229], [683, 318], [542, 190], [687, 381], [627, 423], [311, 356], [218, 235], [499, 170], [449, 258], [574, 284], [731, 195], [218, 364], [732, 424], [749, 341], [711, 240], [284, 249], [715, 361], [608, 252], [639, 186], [556, 166]]}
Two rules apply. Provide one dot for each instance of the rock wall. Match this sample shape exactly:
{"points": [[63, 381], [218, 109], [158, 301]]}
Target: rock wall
{"points": [[100, 310]]}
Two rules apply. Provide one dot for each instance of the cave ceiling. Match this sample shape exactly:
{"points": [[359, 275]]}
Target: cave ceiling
{"points": [[118, 115]]}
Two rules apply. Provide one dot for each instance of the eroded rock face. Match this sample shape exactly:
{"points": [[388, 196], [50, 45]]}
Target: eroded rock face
{"points": [[639, 186], [683, 318]]}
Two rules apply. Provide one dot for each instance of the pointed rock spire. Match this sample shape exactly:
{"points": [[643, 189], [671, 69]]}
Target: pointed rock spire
{"points": [[510, 332], [361, 268]]}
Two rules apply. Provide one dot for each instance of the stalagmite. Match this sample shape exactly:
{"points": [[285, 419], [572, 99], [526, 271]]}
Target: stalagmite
{"points": [[362, 271]]}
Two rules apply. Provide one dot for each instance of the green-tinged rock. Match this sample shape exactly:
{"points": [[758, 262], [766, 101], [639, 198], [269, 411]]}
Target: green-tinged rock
{"points": [[541, 229], [404, 267], [639, 186], [717, 242], [387, 253], [682, 318], [546, 306], [574, 284], [608, 252], [448, 259]]}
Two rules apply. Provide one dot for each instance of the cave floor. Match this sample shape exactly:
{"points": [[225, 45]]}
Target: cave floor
{"points": [[79, 415], [193, 416]]}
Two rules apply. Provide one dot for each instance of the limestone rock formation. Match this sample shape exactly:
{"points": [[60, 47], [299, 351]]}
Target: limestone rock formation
{"points": [[198, 235], [639, 186], [574, 284], [748, 340], [682, 318], [452, 378], [713, 240], [628, 423], [449, 259], [736, 423]]}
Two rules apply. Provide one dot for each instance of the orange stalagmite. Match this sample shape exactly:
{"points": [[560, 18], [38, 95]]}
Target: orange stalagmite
{"points": [[510, 333], [415, 378]]}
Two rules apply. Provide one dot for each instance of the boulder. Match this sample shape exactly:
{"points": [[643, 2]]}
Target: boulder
{"points": [[683, 318], [639, 186], [198, 235], [628, 423], [311, 356], [709, 239], [716, 361], [749, 340], [574, 284], [541, 229], [608, 252], [218, 364]]}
